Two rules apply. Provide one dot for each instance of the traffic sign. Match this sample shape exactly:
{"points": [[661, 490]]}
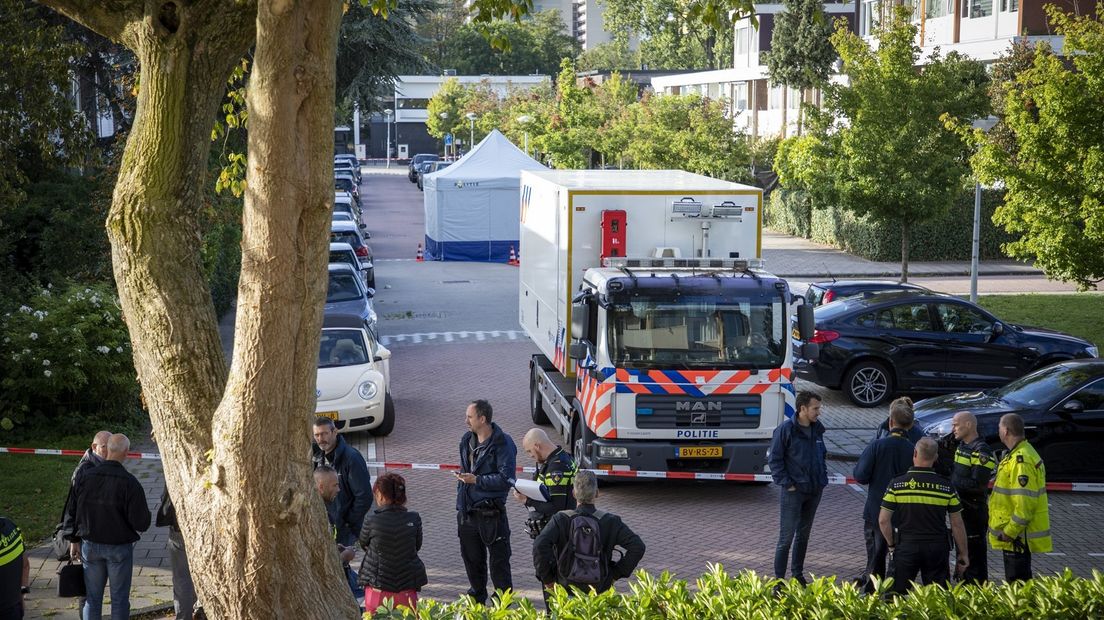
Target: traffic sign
{"points": [[448, 139]]}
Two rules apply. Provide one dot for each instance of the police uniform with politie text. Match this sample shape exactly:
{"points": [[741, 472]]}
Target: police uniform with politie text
{"points": [[556, 471], [970, 474], [1019, 517]]}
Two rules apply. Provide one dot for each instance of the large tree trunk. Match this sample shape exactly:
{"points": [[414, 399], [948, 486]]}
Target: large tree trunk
{"points": [[235, 456], [904, 251], [269, 513]]}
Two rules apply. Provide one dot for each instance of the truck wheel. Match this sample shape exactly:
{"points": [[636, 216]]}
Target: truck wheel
{"points": [[580, 438], [536, 401], [868, 383], [388, 424]]}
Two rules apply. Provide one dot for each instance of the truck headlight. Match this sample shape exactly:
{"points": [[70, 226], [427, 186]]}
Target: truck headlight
{"points": [[368, 390], [612, 452]]}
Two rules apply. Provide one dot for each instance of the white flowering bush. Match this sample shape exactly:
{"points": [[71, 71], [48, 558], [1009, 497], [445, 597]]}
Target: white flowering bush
{"points": [[65, 358]]}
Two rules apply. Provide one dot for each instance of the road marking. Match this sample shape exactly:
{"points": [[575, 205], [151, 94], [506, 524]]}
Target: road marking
{"points": [[1081, 505], [1096, 555], [1054, 553], [479, 336]]}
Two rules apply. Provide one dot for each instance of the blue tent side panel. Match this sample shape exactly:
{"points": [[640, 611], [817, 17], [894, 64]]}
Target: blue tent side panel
{"points": [[485, 251]]}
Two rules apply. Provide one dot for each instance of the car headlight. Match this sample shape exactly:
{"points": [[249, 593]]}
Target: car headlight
{"points": [[368, 390], [612, 452], [1092, 351], [939, 429]]}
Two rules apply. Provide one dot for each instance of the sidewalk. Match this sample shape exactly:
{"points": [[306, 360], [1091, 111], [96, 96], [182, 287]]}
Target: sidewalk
{"points": [[794, 257], [151, 587]]}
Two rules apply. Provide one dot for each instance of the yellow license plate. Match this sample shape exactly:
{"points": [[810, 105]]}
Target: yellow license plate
{"points": [[327, 414], [700, 452], [796, 335]]}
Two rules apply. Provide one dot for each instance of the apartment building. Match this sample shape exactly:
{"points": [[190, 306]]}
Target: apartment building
{"points": [[582, 19]]}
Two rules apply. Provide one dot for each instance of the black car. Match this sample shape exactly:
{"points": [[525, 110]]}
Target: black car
{"points": [[879, 344], [1062, 406], [412, 173], [820, 293]]}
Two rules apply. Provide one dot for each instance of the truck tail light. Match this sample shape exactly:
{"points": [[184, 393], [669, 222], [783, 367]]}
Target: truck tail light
{"points": [[822, 336]]}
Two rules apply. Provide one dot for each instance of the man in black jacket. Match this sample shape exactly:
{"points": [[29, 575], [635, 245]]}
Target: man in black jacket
{"points": [[355, 498], [882, 461], [93, 456], [554, 538], [110, 511], [488, 458], [797, 463], [556, 471]]}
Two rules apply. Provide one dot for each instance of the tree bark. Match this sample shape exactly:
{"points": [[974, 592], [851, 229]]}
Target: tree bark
{"points": [[904, 251], [255, 529]]}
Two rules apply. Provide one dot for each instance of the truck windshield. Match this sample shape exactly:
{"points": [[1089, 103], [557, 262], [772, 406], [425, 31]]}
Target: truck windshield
{"points": [[693, 332]]}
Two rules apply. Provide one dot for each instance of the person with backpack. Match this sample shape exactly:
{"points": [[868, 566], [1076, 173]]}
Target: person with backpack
{"points": [[576, 547]]}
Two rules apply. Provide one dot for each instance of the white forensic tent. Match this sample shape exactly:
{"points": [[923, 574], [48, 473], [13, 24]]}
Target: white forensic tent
{"points": [[472, 207]]}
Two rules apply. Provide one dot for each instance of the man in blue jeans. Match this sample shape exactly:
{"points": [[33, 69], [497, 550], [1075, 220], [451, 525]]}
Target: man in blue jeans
{"points": [[797, 464], [110, 511]]}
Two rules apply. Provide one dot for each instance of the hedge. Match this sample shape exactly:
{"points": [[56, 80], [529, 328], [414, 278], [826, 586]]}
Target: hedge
{"points": [[945, 238], [719, 595]]}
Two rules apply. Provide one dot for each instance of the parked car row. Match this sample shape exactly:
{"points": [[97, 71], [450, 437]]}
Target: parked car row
{"points": [[354, 372], [429, 168]]}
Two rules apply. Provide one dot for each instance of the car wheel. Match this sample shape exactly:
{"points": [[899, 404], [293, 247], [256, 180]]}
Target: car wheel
{"points": [[388, 424], [536, 401], [868, 384]]}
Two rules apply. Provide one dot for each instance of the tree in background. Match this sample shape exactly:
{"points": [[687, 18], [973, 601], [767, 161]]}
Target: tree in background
{"points": [[435, 28], [615, 98], [880, 148], [449, 101], [536, 45], [801, 54], [687, 132], [373, 49], [612, 56], [677, 34], [1048, 151], [569, 139]]}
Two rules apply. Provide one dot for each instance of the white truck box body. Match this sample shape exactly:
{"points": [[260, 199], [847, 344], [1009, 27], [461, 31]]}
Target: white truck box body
{"points": [[561, 212]]}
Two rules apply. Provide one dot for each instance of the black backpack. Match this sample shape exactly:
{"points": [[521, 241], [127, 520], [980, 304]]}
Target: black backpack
{"points": [[580, 561]]}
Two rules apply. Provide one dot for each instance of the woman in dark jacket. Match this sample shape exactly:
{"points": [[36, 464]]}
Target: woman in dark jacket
{"points": [[391, 538]]}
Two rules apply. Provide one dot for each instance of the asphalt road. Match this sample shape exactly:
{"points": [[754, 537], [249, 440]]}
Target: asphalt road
{"points": [[452, 328]]}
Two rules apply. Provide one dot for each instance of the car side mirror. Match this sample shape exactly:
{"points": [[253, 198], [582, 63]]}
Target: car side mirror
{"points": [[1073, 406], [371, 293], [998, 328]]}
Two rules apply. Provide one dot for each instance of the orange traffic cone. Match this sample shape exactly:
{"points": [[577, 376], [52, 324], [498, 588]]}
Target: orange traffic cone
{"points": [[420, 257], [513, 257]]}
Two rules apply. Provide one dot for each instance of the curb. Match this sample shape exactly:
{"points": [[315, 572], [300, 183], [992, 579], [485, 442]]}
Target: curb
{"points": [[152, 612], [912, 274], [843, 456]]}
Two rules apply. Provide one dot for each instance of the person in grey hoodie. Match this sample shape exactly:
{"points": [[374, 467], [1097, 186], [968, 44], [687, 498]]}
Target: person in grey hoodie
{"points": [[797, 463]]}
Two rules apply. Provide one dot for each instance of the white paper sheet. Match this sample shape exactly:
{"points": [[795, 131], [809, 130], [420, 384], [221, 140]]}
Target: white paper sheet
{"points": [[532, 490]]}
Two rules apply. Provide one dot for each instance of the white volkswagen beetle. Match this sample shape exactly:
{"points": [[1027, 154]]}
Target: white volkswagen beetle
{"points": [[354, 377]]}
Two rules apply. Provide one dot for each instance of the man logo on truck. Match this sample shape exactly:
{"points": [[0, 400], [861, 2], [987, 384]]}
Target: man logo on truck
{"points": [[697, 405]]}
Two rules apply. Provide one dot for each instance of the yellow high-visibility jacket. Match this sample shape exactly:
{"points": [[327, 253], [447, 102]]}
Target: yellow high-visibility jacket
{"points": [[1018, 504]]}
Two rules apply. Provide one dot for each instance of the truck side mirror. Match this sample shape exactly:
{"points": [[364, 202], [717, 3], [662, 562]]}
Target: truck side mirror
{"points": [[580, 321], [577, 350], [806, 322]]}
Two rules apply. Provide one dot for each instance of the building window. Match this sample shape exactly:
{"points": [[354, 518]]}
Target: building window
{"points": [[775, 101], [793, 98], [1010, 6], [977, 8], [740, 95], [411, 104], [741, 41]]}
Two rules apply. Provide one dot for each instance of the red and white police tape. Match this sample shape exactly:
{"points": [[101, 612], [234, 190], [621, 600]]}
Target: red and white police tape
{"points": [[1089, 487]]}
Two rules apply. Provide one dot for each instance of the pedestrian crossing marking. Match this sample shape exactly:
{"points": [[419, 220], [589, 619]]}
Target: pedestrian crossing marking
{"points": [[433, 337]]}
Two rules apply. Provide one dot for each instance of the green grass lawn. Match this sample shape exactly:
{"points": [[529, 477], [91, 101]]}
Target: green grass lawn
{"points": [[33, 488], [1080, 314]]}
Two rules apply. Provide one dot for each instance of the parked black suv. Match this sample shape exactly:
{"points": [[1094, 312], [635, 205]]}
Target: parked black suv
{"points": [[876, 345], [820, 293]]}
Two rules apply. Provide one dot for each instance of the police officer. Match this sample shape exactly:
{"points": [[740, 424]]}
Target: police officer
{"points": [[1019, 518], [970, 475], [920, 502], [15, 571], [556, 471]]}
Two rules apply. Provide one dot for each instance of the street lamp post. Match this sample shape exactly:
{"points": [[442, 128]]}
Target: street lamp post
{"points": [[387, 119], [984, 124], [525, 119], [444, 117], [471, 135]]}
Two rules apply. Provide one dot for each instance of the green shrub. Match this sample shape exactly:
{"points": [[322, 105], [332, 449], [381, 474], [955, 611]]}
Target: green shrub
{"points": [[66, 360], [719, 595], [945, 238]]}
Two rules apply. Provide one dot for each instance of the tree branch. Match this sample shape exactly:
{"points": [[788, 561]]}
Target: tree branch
{"points": [[105, 17]]}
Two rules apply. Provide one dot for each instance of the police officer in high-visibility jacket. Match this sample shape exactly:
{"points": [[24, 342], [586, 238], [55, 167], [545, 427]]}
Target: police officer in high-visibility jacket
{"points": [[1019, 520], [556, 471], [970, 474]]}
